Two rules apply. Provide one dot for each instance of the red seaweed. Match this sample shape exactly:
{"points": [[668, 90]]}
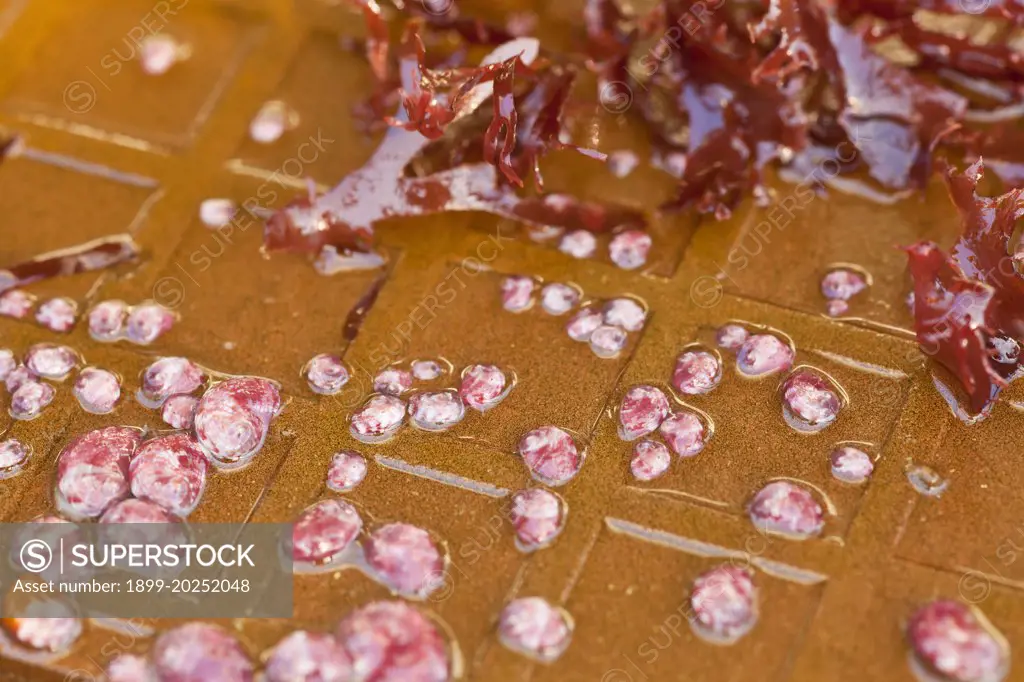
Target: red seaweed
{"points": [[900, 9], [936, 50], [94, 255], [432, 98], [983, 251], [726, 89], [344, 216], [730, 87], [969, 304], [377, 38], [8, 146], [540, 126], [893, 118]]}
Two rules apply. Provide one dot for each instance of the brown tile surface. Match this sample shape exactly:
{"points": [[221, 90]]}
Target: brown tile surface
{"points": [[147, 151]]}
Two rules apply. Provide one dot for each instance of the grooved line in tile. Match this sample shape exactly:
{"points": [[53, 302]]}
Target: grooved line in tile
{"points": [[966, 571], [93, 133], [239, 167], [877, 327], [8, 16], [443, 477], [581, 562], [708, 550], [241, 54], [860, 365], [87, 168], [681, 497]]}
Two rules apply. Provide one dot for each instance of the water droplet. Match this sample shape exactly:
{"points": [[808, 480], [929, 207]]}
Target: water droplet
{"points": [[650, 460], [724, 602], [788, 509], [629, 249], [272, 121], [642, 410], [558, 299], [697, 371], [533, 627], [517, 293], [926, 480], [851, 465], [578, 244], [810, 400], [217, 212], [538, 516]]}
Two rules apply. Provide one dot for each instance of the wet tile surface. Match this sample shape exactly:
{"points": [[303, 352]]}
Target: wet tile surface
{"points": [[127, 152], [120, 203], [102, 85]]}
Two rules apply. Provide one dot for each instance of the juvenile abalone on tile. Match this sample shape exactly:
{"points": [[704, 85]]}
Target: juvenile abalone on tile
{"points": [[538, 517], [97, 390], [533, 627], [517, 293], [393, 381], [629, 249], [484, 386], [13, 456], [233, 418], [304, 656], [406, 559], [697, 371], [787, 508], [763, 354], [952, 641], [685, 432], [557, 298], [347, 470], [392, 640], [326, 374], [436, 410], [725, 603], [196, 652], [51, 360], [323, 531], [811, 400], [92, 470], [551, 455], [641, 412], [650, 460], [379, 418], [851, 464]]}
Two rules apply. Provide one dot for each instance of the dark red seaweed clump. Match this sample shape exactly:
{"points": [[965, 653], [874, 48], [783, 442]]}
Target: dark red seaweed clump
{"points": [[437, 102], [969, 304]]}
